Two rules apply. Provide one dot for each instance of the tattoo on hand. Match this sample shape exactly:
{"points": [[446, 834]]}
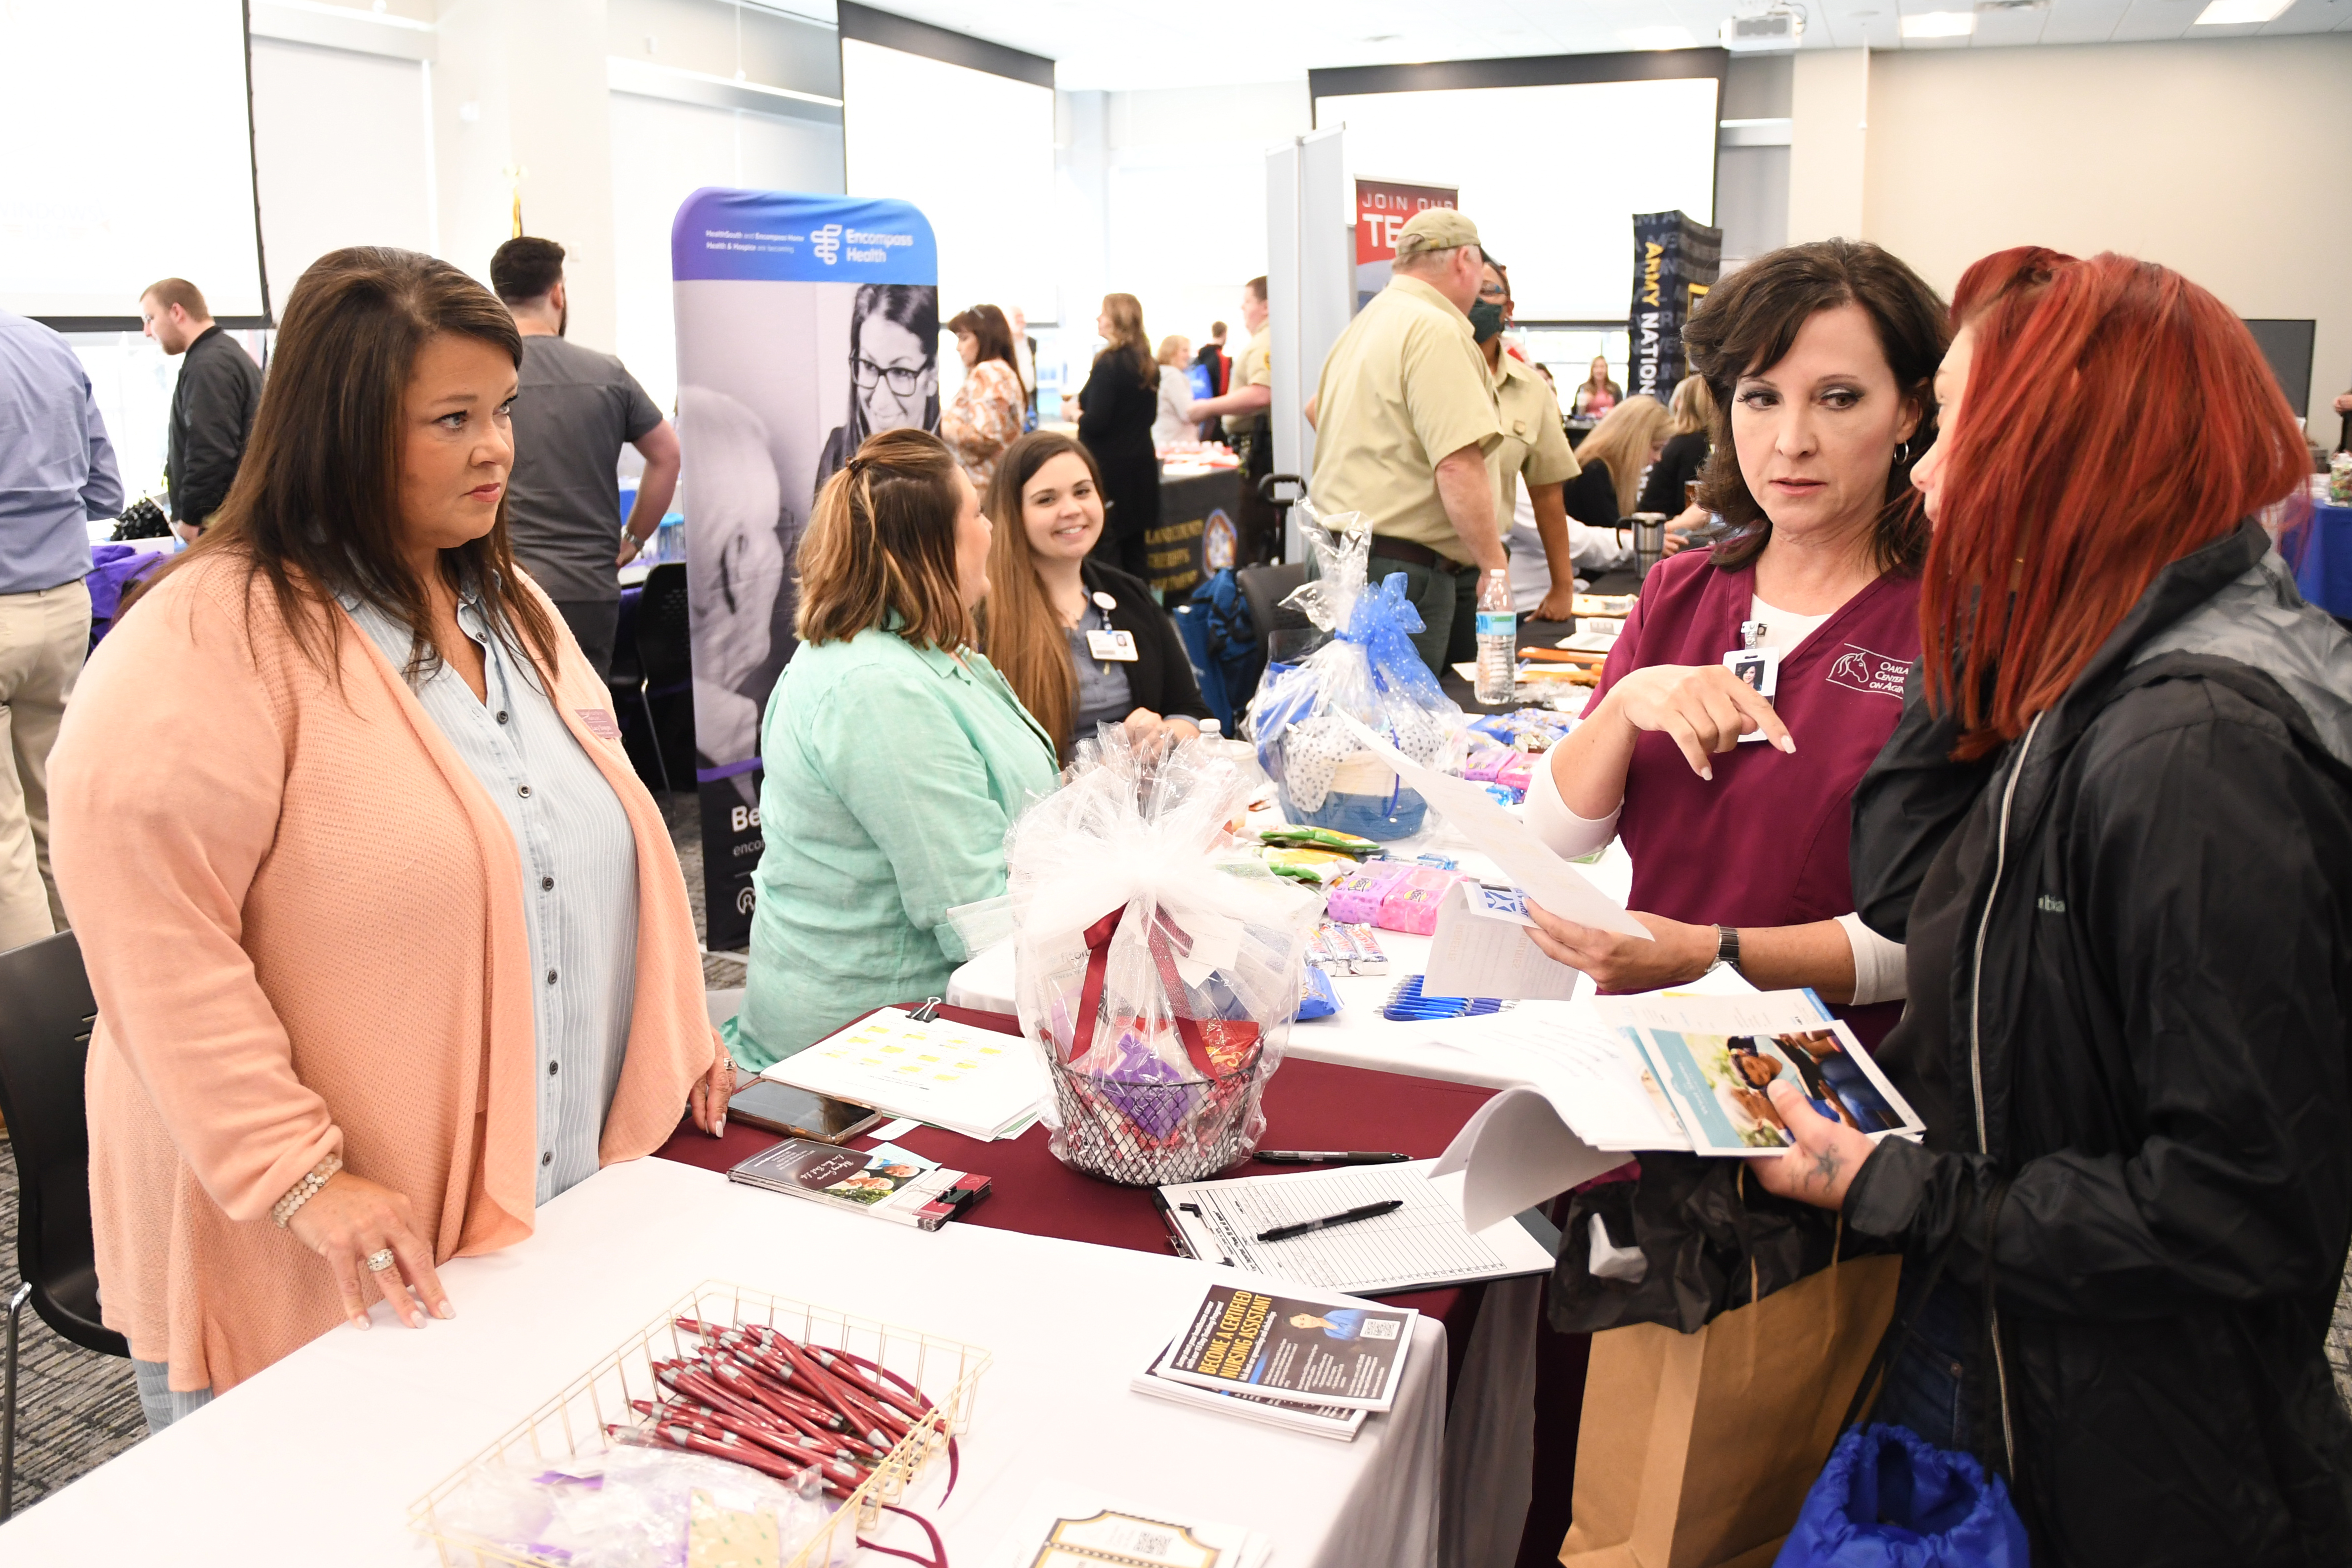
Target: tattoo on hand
{"points": [[1826, 1166]]}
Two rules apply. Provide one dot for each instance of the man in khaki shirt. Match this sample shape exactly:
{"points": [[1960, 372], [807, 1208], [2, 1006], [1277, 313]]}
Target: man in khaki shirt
{"points": [[1247, 428], [1404, 417], [1534, 449]]}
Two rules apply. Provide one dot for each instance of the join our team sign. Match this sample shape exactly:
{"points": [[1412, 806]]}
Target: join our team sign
{"points": [[806, 323]]}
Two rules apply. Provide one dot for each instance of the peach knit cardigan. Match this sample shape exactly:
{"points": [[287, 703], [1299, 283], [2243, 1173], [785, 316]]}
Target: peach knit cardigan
{"points": [[303, 921]]}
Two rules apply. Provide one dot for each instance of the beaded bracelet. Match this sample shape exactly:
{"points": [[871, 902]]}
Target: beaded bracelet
{"points": [[305, 1190]]}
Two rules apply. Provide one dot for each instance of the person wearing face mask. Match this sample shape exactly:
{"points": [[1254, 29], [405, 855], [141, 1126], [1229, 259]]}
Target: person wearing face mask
{"points": [[1404, 417], [1823, 353], [895, 756], [1079, 641], [1530, 464]]}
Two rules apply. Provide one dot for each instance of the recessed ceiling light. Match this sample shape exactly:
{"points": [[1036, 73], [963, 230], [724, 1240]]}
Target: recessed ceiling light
{"points": [[1382, 38], [1862, 16], [1948, 24], [1660, 38], [2237, 13]]}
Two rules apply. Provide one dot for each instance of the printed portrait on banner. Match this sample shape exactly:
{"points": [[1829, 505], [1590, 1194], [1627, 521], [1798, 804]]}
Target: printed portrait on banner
{"points": [[806, 323]]}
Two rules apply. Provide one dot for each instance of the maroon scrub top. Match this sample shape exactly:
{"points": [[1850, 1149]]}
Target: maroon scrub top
{"points": [[1765, 843]]}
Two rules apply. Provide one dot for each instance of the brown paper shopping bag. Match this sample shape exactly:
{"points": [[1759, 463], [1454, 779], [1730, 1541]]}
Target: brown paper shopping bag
{"points": [[1696, 1450]]}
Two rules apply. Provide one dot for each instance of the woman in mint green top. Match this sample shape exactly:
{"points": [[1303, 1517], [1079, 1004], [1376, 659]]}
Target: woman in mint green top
{"points": [[895, 756]]}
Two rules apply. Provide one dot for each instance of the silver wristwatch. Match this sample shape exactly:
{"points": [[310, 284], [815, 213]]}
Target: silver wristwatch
{"points": [[1727, 945]]}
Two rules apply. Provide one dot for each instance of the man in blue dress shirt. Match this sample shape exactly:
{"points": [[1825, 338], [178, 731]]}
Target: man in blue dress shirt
{"points": [[56, 473]]}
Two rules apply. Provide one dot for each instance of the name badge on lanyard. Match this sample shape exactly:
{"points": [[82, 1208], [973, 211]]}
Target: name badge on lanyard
{"points": [[1758, 667], [1113, 647]]}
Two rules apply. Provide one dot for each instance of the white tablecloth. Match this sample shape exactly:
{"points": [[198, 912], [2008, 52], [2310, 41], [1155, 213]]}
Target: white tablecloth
{"points": [[1356, 1035], [316, 1459]]}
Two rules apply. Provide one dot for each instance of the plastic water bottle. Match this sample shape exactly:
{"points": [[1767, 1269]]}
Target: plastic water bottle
{"points": [[1499, 638]]}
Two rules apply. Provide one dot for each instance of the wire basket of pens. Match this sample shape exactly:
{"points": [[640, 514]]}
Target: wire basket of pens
{"points": [[1149, 1134], [735, 1416]]}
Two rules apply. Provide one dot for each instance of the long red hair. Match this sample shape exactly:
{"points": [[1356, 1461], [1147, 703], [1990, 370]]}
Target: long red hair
{"points": [[2117, 418]]}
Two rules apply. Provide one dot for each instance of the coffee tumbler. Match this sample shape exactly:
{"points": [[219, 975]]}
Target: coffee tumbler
{"points": [[1649, 542]]}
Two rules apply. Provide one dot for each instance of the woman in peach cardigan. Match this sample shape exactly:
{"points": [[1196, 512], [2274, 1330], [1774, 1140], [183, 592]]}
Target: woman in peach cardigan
{"points": [[388, 942]]}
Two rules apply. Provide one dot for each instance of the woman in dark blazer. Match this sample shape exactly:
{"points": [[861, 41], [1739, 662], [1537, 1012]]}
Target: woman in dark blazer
{"points": [[1120, 400], [1080, 642]]}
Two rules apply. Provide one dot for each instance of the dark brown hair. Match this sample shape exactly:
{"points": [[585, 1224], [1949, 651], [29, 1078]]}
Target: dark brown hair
{"points": [[1748, 323], [882, 543], [178, 291], [526, 267], [315, 508], [1024, 638], [987, 324]]}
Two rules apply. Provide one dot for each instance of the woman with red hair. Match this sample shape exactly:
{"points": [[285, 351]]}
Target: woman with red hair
{"points": [[2115, 829]]}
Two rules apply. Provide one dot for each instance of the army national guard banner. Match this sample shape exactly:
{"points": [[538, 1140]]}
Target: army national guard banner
{"points": [[1677, 260], [806, 323]]}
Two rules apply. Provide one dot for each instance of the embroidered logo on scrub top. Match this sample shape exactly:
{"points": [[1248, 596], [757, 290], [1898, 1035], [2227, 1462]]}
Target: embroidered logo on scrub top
{"points": [[1859, 669]]}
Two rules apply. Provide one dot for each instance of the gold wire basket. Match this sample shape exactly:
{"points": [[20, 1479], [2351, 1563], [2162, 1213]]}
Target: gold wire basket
{"points": [[574, 1422]]}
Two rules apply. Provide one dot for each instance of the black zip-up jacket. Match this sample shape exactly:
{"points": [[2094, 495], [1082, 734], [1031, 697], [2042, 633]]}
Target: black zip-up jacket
{"points": [[2144, 912], [212, 417]]}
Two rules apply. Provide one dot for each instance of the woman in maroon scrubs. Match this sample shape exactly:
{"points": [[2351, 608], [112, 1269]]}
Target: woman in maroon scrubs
{"points": [[1755, 681]]}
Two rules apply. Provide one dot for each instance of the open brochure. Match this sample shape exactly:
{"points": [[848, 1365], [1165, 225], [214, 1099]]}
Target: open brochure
{"points": [[1620, 1075], [1282, 1342]]}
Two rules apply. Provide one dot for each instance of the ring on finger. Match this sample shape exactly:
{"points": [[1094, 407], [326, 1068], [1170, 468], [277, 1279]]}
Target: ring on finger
{"points": [[379, 1260]]}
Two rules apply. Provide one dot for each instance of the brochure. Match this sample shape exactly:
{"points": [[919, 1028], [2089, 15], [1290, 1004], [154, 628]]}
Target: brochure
{"points": [[1672, 1070], [1333, 1350], [886, 1182], [1717, 1078], [1334, 1420]]}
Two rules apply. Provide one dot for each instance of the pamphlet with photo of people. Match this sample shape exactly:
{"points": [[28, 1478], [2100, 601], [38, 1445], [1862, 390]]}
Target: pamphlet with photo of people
{"points": [[1330, 1350], [1717, 1058]]}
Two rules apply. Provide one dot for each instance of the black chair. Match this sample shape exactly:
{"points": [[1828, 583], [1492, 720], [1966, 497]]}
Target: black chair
{"points": [[1283, 631], [626, 681], [665, 653], [45, 1014]]}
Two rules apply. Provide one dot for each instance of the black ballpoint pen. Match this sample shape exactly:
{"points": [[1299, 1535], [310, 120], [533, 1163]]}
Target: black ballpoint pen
{"points": [[1369, 1211], [1328, 1157]]}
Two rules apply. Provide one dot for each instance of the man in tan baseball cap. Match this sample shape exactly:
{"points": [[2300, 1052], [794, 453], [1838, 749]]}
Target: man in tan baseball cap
{"points": [[1404, 417]]}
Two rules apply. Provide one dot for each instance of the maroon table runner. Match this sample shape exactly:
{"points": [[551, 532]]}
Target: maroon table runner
{"points": [[1308, 1105]]}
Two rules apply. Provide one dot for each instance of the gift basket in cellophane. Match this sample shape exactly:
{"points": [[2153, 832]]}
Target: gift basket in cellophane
{"points": [[1369, 673], [1157, 962]]}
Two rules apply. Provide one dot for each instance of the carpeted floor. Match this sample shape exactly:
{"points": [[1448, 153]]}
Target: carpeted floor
{"points": [[76, 1409]]}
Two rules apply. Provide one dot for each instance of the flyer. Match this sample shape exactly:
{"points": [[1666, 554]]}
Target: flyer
{"points": [[1332, 1351]]}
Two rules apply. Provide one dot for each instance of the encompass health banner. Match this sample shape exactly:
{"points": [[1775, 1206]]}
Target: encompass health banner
{"points": [[1676, 259], [806, 323]]}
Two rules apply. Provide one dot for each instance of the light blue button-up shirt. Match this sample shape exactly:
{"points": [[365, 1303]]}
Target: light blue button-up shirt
{"points": [[56, 467], [579, 878]]}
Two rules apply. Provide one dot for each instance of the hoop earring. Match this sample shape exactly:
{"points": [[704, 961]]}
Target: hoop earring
{"points": [[1902, 453]]}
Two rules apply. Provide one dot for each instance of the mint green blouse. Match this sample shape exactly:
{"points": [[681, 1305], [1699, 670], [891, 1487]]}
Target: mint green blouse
{"points": [[891, 775]]}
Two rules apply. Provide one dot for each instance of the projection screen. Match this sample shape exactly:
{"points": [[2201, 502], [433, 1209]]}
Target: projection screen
{"points": [[132, 144]]}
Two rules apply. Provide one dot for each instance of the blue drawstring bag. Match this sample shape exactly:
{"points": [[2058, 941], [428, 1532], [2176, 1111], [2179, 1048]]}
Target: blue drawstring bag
{"points": [[1889, 1499]]}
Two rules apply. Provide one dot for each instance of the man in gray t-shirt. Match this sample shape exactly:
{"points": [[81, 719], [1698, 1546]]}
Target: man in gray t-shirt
{"points": [[575, 411]]}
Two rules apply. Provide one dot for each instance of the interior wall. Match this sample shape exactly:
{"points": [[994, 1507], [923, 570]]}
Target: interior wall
{"points": [[2220, 159], [663, 151], [1185, 199]]}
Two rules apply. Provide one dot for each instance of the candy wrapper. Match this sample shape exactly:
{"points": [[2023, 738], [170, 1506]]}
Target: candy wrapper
{"points": [[1157, 961], [1369, 671]]}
